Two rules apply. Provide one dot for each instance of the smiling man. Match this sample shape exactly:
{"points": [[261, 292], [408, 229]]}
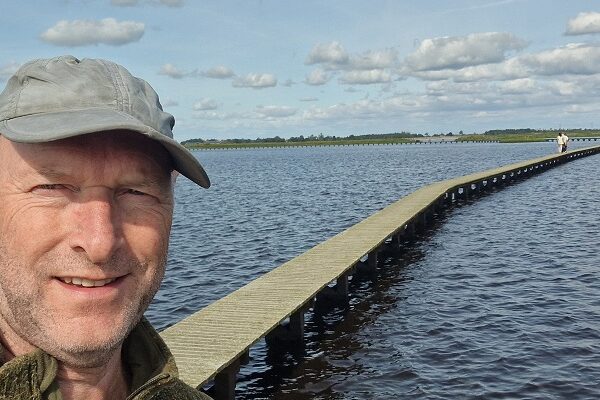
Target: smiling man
{"points": [[87, 166]]}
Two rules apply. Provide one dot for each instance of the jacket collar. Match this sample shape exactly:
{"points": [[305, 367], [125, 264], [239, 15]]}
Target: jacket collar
{"points": [[146, 355], [33, 375]]}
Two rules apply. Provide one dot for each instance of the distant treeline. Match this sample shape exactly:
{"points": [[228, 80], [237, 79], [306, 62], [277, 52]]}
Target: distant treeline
{"points": [[310, 138], [523, 131]]}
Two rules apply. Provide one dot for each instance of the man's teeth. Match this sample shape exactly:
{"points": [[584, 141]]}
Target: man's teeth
{"points": [[87, 282]]}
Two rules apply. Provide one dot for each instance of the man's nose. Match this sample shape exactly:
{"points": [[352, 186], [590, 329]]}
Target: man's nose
{"points": [[97, 228]]}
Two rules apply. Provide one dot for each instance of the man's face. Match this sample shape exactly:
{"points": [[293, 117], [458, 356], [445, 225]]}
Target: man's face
{"points": [[84, 227]]}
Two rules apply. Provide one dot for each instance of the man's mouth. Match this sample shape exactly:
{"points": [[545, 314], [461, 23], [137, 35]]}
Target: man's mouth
{"points": [[86, 282]]}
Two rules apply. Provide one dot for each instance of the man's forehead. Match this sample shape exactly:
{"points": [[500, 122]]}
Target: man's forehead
{"points": [[66, 156], [107, 143]]}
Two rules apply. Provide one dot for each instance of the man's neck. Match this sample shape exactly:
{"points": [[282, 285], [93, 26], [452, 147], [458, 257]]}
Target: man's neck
{"points": [[106, 382]]}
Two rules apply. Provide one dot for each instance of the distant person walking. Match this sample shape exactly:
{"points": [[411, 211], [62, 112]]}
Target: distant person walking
{"points": [[562, 141]]}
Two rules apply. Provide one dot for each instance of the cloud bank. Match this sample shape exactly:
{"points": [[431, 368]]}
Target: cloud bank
{"points": [[459, 52]]}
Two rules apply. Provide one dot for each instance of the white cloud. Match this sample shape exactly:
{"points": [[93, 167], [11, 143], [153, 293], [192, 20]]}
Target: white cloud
{"points": [[276, 111], [443, 88], [507, 70], [375, 59], [362, 109], [581, 59], [88, 32], [213, 115], [309, 99], [583, 23], [288, 83], [174, 72], [317, 77], [370, 67], [333, 56], [459, 52], [366, 77], [327, 53], [518, 86], [583, 108], [255, 81], [562, 88], [583, 88], [218, 72], [205, 104], [8, 70]]}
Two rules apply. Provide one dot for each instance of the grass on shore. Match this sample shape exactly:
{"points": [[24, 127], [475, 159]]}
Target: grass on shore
{"points": [[297, 144]]}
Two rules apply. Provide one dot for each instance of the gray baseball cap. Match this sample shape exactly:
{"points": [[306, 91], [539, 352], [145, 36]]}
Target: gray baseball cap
{"points": [[62, 97]]}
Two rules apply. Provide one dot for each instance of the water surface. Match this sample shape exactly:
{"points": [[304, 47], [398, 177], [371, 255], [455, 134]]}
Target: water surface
{"points": [[497, 302]]}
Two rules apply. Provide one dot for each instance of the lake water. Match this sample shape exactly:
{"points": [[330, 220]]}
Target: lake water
{"points": [[499, 300]]}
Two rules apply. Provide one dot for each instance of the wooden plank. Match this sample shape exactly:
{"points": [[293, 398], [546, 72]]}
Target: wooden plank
{"points": [[213, 338]]}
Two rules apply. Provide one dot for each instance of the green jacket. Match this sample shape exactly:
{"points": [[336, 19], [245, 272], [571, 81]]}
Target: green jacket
{"points": [[149, 362]]}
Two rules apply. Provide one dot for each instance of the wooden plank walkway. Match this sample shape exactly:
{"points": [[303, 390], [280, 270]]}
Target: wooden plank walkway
{"points": [[211, 343]]}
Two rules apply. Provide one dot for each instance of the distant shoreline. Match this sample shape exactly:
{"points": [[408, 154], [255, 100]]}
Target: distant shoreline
{"points": [[454, 139]]}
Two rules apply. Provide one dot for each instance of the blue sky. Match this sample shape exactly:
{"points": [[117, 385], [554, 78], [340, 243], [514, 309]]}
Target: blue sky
{"points": [[248, 69]]}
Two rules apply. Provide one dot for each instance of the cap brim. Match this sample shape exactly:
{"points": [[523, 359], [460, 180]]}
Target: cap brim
{"points": [[39, 128]]}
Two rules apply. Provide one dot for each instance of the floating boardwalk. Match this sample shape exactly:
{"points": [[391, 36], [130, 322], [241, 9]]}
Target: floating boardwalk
{"points": [[211, 344]]}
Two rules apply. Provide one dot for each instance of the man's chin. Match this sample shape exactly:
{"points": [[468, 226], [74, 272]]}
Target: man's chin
{"points": [[88, 354], [88, 346]]}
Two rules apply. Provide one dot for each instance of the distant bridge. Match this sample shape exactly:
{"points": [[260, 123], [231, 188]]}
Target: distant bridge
{"points": [[577, 138]]}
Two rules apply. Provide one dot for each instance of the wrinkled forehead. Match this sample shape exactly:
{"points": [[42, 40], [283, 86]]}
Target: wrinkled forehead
{"points": [[96, 150]]}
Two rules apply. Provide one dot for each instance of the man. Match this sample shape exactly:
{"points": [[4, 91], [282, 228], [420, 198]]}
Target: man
{"points": [[87, 166], [561, 141], [565, 142]]}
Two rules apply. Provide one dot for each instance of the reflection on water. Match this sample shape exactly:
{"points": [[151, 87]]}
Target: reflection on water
{"points": [[498, 301]]}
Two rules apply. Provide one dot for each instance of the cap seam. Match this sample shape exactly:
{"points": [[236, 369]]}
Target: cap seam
{"points": [[125, 98], [117, 97], [17, 96], [15, 101], [141, 129], [74, 110]]}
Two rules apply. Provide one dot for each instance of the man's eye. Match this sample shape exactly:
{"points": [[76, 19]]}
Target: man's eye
{"points": [[137, 197], [50, 187], [135, 192], [56, 190]]}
